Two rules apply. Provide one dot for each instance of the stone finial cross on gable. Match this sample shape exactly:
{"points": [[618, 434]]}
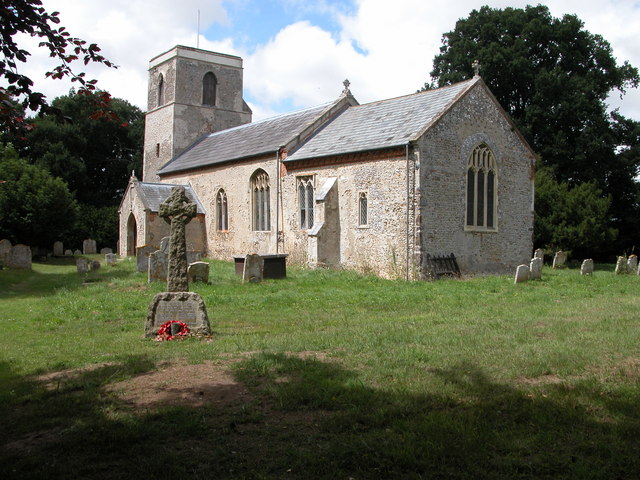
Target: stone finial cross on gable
{"points": [[177, 210], [476, 68]]}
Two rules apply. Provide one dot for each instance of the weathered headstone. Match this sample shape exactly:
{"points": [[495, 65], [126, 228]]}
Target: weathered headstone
{"points": [[110, 258], [68, 253], [94, 265], [632, 263], [77, 252], [253, 268], [621, 265], [104, 251], [535, 268], [82, 265], [19, 257], [522, 274], [198, 272], [559, 259], [158, 266], [142, 257], [539, 253], [587, 267], [5, 248], [177, 303], [58, 249], [89, 247]]}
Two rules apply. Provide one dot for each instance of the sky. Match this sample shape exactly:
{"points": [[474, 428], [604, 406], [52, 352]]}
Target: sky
{"points": [[297, 53]]}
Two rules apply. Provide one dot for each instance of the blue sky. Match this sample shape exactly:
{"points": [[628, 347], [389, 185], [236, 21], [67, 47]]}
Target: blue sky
{"points": [[296, 53]]}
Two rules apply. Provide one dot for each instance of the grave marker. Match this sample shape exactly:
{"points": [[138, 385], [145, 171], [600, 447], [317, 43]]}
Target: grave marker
{"points": [[89, 247], [253, 271], [587, 267], [522, 274], [58, 249]]}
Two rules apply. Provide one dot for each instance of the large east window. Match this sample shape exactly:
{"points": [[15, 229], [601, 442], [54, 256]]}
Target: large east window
{"points": [[305, 202], [482, 189], [260, 200]]}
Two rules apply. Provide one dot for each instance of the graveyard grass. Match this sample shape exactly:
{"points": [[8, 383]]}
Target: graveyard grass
{"points": [[325, 374]]}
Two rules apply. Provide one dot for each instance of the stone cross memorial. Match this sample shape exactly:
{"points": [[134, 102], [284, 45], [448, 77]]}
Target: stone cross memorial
{"points": [[177, 303]]}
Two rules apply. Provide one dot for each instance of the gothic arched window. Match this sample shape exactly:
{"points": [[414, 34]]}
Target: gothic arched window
{"points": [[160, 90], [222, 211], [260, 199], [482, 191], [306, 200], [209, 85]]}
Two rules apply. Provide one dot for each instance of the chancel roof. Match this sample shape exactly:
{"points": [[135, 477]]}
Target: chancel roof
{"points": [[153, 194], [383, 124], [251, 139]]}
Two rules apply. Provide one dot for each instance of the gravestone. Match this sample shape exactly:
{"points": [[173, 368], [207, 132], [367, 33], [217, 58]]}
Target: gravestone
{"points": [[198, 272], [82, 265], [68, 253], [5, 248], [621, 265], [253, 271], [94, 265], [58, 249], [110, 259], [104, 251], [522, 274], [559, 259], [535, 268], [19, 257], [89, 247], [539, 253], [77, 252], [587, 267], [177, 303], [158, 267], [632, 263], [142, 257]]}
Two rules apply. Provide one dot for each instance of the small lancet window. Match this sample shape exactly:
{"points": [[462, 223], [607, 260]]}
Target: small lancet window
{"points": [[363, 209], [160, 90], [306, 201], [209, 86], [481, 189], [261, 201], [222, 211]]}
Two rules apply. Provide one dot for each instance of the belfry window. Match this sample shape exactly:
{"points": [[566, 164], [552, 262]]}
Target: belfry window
{"points": [[261, 202], [306, 201], [209, 86], [222, 212], [160, 90], [481, 189]]}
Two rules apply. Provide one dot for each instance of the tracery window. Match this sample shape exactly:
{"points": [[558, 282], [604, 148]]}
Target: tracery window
{"points": [[482, 189], [363, 209], [209, 85], [306, 202], [160, 90], [261, 202], [222, 212]]}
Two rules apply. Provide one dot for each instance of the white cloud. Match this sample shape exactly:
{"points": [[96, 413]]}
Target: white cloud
{"points": [[384, 48]]}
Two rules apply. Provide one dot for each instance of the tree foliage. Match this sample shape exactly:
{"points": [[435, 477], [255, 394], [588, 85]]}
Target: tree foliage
{"points": [[95, 156], [554, 78], [29, 17], [35, 208]]}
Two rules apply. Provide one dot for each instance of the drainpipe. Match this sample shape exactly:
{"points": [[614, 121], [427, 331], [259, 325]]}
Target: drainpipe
{"points": [[406, 156]]}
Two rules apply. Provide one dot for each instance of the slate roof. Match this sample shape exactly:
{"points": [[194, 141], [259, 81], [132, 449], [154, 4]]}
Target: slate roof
{"points": [[248, 140], [382, 124], [153, 194]]}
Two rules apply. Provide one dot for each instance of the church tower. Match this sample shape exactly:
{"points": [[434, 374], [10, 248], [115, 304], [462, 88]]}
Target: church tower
{"points": [[191, 92]]}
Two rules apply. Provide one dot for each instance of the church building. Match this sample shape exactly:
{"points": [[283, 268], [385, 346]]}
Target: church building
{"points": [[377, 187]]}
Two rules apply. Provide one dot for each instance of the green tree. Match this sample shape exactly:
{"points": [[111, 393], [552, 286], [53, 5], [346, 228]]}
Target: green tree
{"points": [[28, 17], [35, 208], [571, 217], [95, 156], [554, 78]]}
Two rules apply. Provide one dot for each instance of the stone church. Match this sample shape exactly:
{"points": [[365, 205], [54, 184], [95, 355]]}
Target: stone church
{"points": [[377, 187]]}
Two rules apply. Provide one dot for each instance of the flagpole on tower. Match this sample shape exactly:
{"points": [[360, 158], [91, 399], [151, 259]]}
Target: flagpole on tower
{"points": [[198, 37]]}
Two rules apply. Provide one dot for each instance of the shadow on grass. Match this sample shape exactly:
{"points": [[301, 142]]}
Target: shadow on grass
{"points": [[314, 419], [43, 281]]}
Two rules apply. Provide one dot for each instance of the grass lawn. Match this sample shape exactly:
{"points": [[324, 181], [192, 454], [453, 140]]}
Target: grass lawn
{"points": [[325, 374]]}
